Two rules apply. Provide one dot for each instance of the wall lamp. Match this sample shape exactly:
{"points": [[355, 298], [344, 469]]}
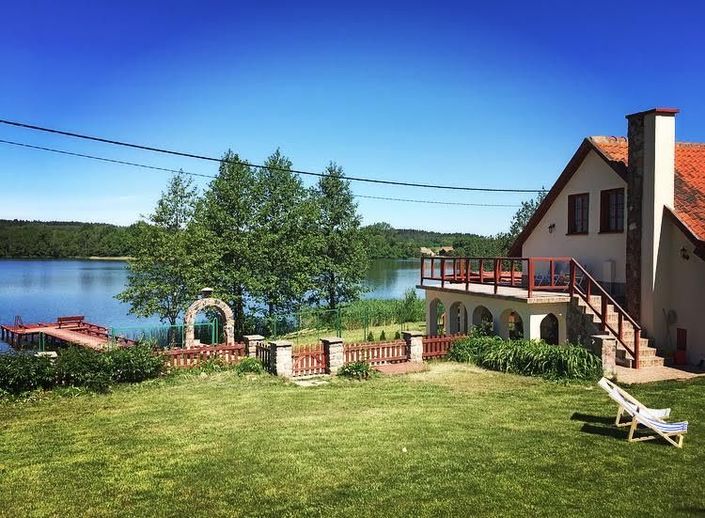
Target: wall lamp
{"points": [[684, 253], [551, 228]]}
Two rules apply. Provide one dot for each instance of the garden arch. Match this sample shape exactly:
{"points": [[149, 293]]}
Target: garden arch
{"points": [[512, 325], [208, 302], [482, 318], [549, 329], [458, 318]]}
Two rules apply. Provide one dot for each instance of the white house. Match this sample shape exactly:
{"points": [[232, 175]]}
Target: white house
{"points": [[616, 249]]}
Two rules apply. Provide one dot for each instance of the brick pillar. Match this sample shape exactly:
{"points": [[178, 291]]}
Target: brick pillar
{"points": [[280, 356], [334, 352], [414, 340], [605, 347], [251, 343]]}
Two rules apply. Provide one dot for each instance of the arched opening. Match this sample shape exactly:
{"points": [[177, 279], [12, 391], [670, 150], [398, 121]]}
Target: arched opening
{"points": [[458, 318], [483, 321], [436, 318], [209, 304], [512, 325], [549, 329]]}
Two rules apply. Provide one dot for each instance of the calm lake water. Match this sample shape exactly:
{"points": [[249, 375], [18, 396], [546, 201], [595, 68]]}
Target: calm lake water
{"points": [[41, 290]]}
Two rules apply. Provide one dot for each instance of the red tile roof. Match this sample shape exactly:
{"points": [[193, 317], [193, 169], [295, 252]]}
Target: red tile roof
{"points": [[690, 178]]}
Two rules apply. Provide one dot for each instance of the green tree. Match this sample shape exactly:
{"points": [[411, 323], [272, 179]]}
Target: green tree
{"points": [[159, 281], [222, 237], [342, 261], [521, 219], [285, 236]]}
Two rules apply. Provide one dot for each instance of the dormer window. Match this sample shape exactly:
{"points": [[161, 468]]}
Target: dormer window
{"points": [[612, 210], [578, 212]]}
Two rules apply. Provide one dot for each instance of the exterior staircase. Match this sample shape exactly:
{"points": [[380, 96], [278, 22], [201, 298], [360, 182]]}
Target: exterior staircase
{"points": [[648, 355]]}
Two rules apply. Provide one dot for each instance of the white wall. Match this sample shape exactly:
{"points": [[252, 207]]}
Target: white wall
{"points": [[593, 176], [680, 286]]}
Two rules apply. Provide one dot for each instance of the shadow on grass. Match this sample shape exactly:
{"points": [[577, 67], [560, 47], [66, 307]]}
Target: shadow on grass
{"points": [[614, 433], [589, 418]]}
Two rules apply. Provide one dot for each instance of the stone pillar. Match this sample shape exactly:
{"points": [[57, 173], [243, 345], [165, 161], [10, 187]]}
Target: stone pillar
{"points": [[280, 356], [414, 340], [251, 343], [605, 347], [334, 352]]}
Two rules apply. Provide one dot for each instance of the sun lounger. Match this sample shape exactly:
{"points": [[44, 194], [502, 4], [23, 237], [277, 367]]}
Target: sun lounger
{"points": [[640, 414]]}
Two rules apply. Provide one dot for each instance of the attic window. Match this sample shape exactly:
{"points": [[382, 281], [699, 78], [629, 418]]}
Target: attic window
{"points": [[578, 211], [612, 210]]}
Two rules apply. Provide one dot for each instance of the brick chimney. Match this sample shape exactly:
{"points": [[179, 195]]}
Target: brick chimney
{"points": [[650, 187]]}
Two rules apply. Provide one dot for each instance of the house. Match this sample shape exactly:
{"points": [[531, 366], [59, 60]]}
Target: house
{"points": [[616, 250], [426, 251]]}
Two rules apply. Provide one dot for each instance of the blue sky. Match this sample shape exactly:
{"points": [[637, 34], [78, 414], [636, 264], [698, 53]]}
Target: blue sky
{"points": [[445, 92]]}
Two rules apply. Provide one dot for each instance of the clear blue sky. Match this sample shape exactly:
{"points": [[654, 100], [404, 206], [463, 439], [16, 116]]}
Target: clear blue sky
{"points": [[490, 94]]}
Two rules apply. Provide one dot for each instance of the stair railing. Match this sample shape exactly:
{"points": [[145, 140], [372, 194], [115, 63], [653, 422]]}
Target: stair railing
{"points": [[592, 287]]}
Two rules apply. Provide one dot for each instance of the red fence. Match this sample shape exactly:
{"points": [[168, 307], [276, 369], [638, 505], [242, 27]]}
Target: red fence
{"points": [[377, 352], [195, 355], [438, 346], [308, 360]]}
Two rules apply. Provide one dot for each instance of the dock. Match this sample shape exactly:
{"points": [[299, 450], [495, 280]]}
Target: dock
{"points": [[67, 330]]}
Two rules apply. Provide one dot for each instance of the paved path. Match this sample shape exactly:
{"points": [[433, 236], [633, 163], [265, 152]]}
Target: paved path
{"points": [[661, 373], [401, 368]]}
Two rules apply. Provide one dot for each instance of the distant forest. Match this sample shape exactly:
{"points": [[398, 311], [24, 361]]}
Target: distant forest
{"points": [[56, 239]]}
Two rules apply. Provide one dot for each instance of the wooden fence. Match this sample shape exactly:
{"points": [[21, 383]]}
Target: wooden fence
{"points": [[308, 360], [375, 353], [438, 346], [195, 355], [262, 353]]}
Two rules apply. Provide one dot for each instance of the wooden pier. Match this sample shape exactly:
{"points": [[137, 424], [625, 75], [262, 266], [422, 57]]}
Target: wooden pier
{"points": [[70, 330]]}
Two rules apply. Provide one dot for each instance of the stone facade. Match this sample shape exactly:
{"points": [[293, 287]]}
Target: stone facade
{"points": [[334, 352], [635, 195], [208, 303], [414, 339], [281, 358], [251, 343], [605, 346]]}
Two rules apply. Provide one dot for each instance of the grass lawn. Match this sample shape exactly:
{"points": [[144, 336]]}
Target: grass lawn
{"points": [[313, 336], [455, 440]]}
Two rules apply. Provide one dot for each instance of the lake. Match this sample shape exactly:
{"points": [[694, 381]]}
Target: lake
{"points": [[41, 290]]}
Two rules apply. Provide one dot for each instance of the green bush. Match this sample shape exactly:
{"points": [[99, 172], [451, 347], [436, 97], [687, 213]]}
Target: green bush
{"points": [[529, 358], [397, 335], [357, 370], [249, 365], [134, 364], [382, 336], [370, 337], [80, 367], [24, 372]]}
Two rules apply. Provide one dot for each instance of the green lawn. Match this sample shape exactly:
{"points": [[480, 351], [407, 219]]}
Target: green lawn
{"points": [[452, 441]]}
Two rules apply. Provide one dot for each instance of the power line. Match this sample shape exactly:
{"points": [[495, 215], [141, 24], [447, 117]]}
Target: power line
{"points": [[203, 175], [259, 166]]}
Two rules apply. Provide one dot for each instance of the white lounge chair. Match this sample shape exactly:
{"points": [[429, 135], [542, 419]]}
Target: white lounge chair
{"points": [[653, 418]]}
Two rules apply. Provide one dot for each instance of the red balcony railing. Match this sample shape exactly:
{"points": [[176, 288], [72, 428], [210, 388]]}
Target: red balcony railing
{"points": [[529, 273]]}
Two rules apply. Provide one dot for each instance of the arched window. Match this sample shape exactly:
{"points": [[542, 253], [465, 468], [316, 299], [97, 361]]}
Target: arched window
{"points": [[549, 329], [436, 320], [482, 320], [458, 316]]}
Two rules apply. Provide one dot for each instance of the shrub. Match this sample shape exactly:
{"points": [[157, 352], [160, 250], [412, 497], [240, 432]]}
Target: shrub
{"points": [[382, 336], [134, 364], [529, 357], [24, 372], [249, 365], [397, 335], [370, 337], [357, 370], [84, 368]]}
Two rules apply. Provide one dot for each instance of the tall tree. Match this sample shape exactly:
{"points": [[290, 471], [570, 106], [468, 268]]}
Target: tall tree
{"points": [[158, 281], [521, 219], [221, 236], [342, 263], [285, 236]]}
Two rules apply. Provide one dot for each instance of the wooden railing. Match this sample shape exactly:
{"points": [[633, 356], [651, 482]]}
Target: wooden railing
{"points": [[376, 353], [582, 283], [438, 346], [262, 354], [195, 355], [529, 273]]}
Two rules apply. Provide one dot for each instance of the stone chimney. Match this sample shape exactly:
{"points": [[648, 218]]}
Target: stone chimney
{"points": [[650, 188]]}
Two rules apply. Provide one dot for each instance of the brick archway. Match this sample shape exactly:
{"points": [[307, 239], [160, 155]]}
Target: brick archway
{"points": [[209, 303]]}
